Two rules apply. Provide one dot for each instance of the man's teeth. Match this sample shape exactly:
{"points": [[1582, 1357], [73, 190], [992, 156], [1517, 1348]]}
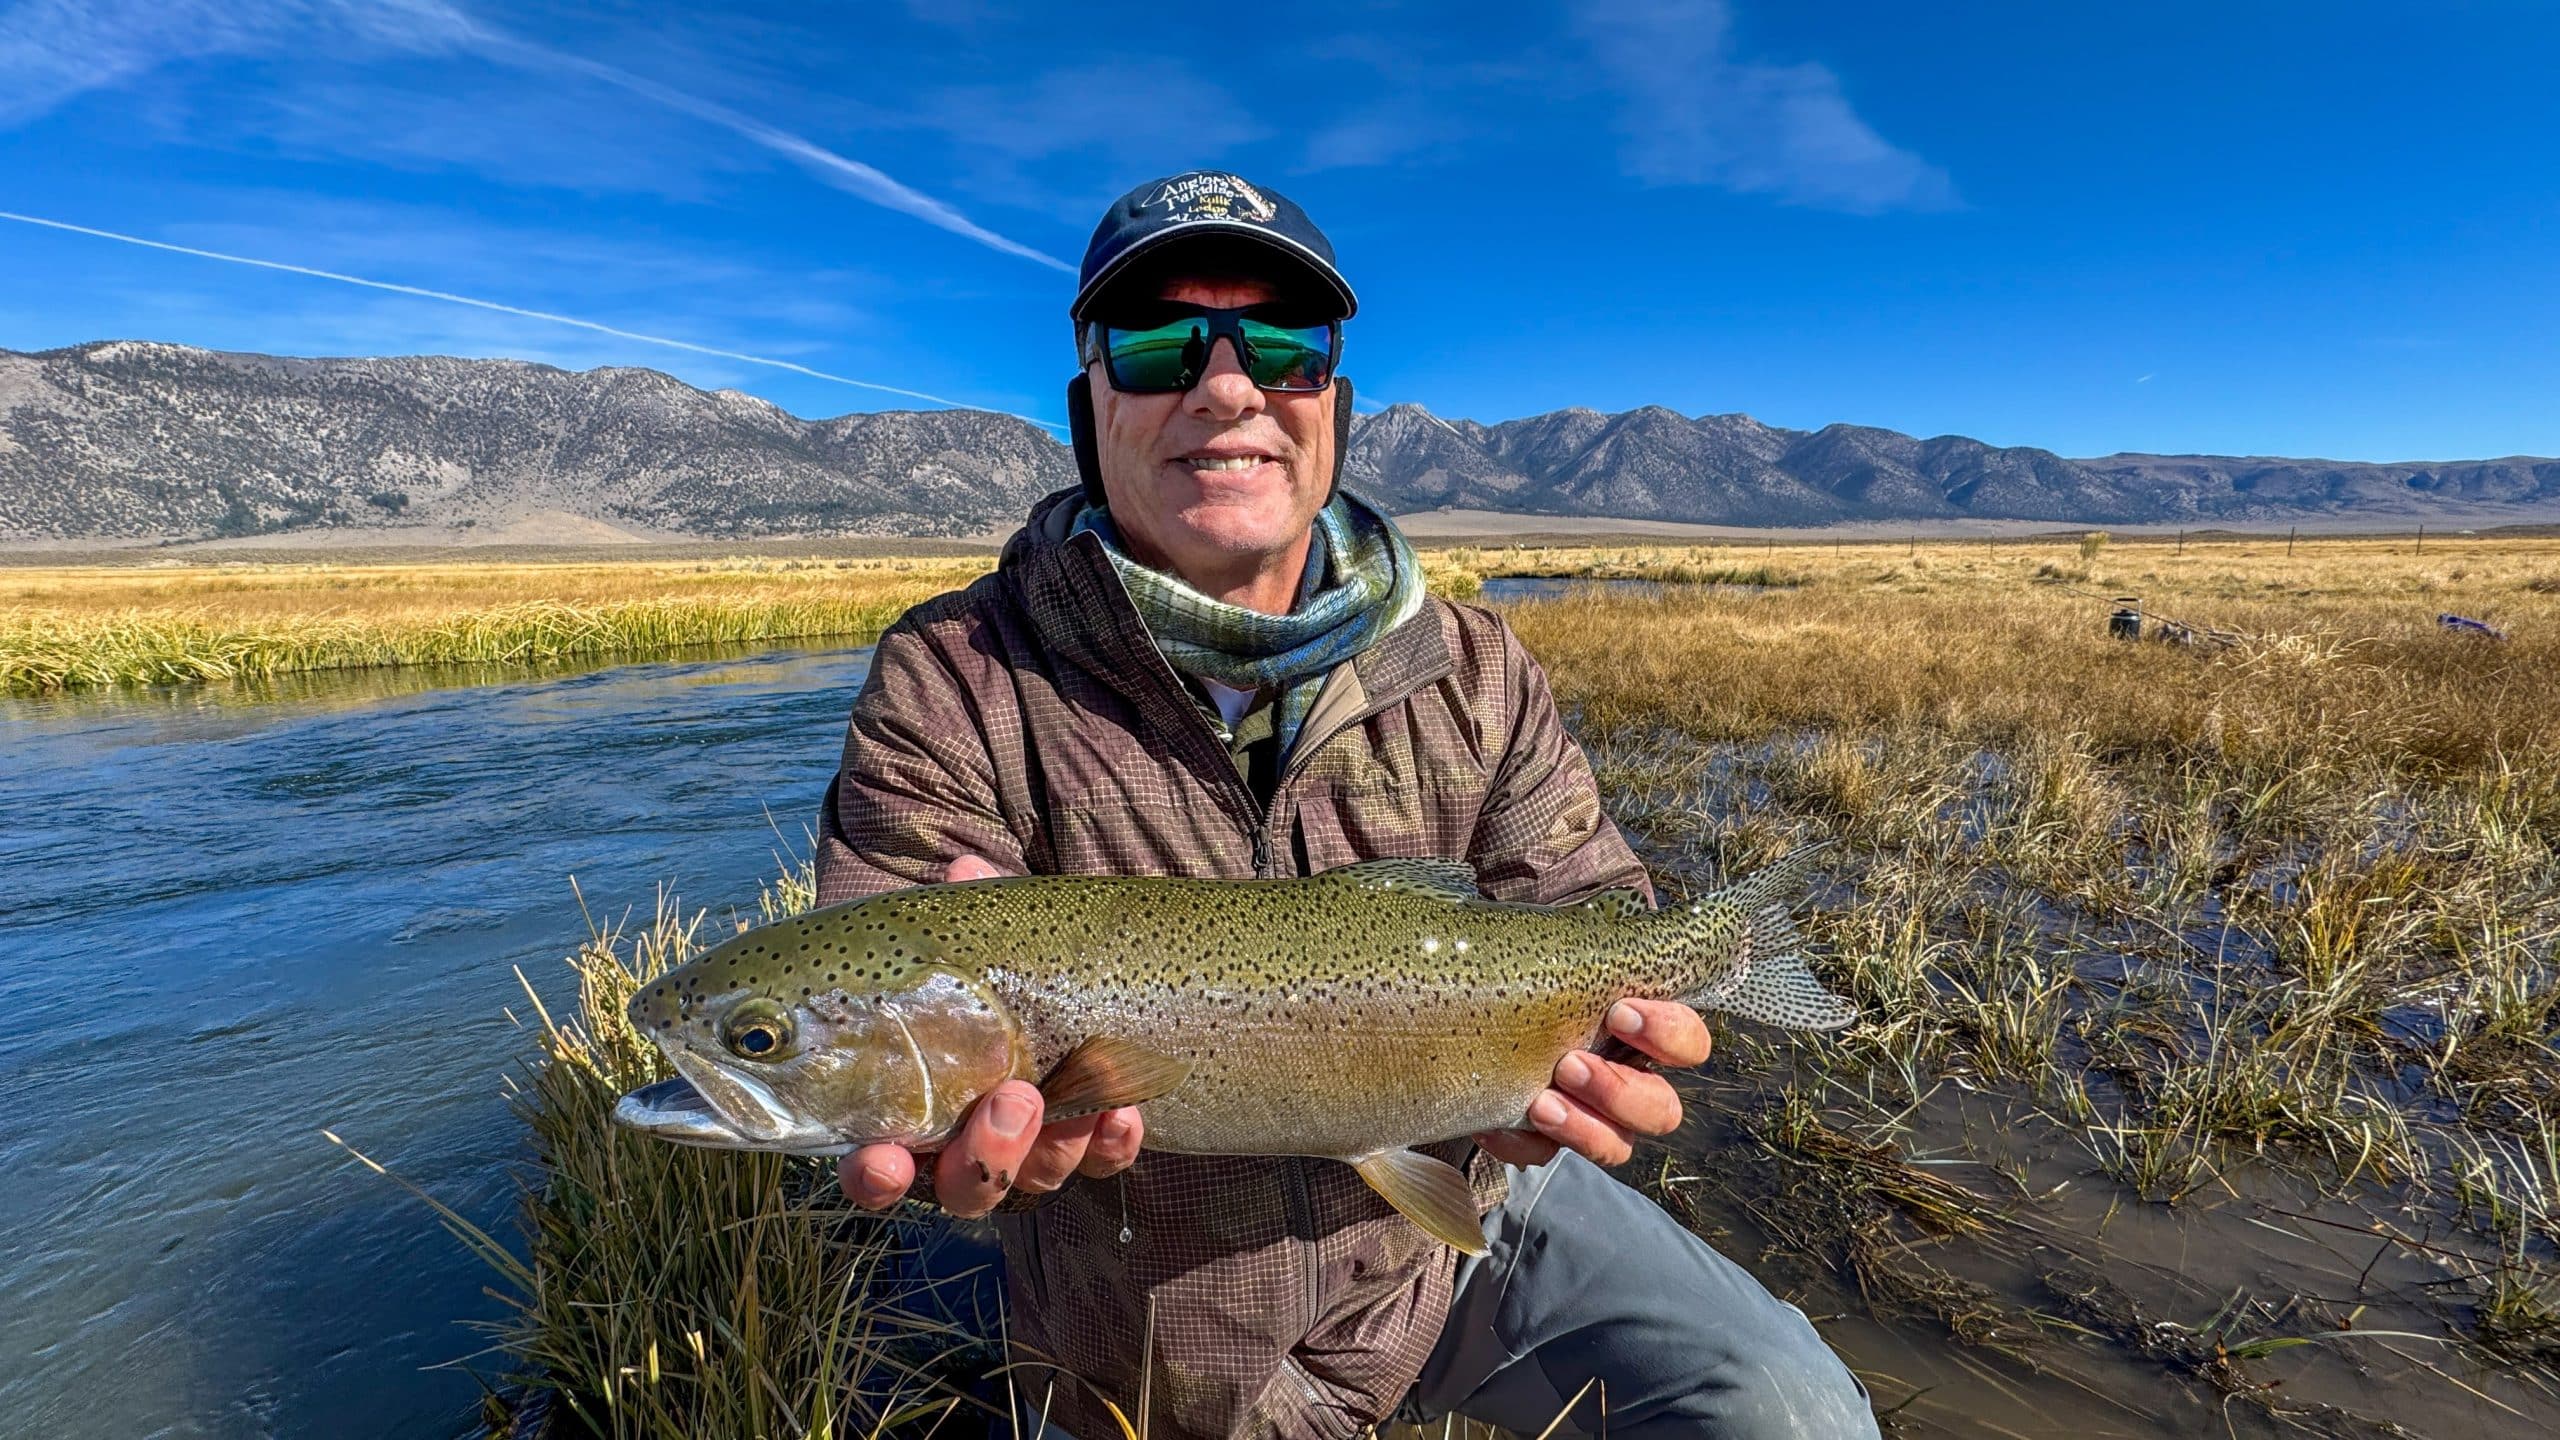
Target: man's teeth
{"points": [[1225, 462]]}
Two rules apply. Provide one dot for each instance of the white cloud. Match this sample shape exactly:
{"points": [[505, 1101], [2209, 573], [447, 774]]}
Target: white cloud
{"points": [[483, 304], [1693, 113], [1379, 134], [54, 50], [1123, 120]]}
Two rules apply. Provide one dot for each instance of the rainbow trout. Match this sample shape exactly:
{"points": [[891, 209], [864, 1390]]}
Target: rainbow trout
{"points": [[1351, 1015]]}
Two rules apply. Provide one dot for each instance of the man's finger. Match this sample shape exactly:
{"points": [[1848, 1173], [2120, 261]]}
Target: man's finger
{"points": [[1517, 1147], [1115, 1143], [969, 867], [1570, 1123], [982, 1161], [1629, 1098], [876, 1177], [1056, 1154], [1664, 1029]]}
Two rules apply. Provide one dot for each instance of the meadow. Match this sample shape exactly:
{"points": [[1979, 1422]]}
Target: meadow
{"points": [[2207, 1076], [84, 627]]}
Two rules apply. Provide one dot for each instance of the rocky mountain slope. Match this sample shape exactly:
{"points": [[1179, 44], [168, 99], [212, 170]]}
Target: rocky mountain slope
{"points": [[125, 439], [1655, 464], [131, 440]]}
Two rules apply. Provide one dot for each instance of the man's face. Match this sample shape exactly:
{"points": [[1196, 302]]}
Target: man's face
{"points": [[1223, 478]]}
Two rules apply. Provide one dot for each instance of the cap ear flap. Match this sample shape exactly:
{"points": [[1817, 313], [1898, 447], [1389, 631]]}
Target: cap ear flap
{"points": [[1080, 431], [1341, 433]]}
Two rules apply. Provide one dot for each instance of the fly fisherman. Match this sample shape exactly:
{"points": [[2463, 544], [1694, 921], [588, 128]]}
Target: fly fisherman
{"points": [[1212, 661]]}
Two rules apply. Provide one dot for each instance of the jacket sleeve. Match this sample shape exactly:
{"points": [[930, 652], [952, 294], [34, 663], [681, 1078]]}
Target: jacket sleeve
{"points": [[917, 788], [1542, 836]]}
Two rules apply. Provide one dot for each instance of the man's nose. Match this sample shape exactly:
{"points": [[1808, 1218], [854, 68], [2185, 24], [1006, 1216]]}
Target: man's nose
{"points": [[1224, 391]]}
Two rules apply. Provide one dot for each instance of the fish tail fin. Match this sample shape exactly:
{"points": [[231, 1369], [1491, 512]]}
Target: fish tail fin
{"points": [[1754, 920]]}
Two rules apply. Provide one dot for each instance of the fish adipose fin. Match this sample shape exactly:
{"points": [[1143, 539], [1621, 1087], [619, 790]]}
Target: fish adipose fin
{"points": [[1431, 1193], [1448, 879], [1773, 986], [1104, 1074]]}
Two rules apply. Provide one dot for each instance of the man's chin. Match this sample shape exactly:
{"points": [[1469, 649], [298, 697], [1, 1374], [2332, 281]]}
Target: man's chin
{"points": [[1236, 530]]}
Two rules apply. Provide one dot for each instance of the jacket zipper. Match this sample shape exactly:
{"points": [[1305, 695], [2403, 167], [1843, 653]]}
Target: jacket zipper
{"points": [[1300, 1198]]}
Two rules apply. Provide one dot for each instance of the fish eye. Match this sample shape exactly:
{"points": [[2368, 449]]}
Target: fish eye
{"points": [[758, 1032]]}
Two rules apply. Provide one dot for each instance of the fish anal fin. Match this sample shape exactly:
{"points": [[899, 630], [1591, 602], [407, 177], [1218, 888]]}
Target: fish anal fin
{"points": [[1448, 879], [1433, 1194], [1104, 1073]]}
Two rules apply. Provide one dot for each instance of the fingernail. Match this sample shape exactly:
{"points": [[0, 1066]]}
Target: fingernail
{"points": [[1573, 1070], [1546, 1109], [1113, 1129], [1626, 1019], [1008, 1114], [880, 1179]]}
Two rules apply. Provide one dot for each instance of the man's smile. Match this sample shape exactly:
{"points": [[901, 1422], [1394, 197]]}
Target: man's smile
{"points": [[1226, 460]]}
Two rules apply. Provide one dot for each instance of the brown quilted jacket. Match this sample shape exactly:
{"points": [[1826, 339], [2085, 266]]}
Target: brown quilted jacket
{"points": [[1028, 719]]}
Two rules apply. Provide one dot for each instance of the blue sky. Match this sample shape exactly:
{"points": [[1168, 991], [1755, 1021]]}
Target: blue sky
{"points": [[2326, 229]]}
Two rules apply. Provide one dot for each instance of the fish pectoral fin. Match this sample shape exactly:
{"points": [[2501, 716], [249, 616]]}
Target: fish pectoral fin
{"points": [[1104, 1073], [1448, 879], [1433, 1194]]}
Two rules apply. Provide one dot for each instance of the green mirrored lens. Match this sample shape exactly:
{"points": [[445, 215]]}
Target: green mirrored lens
{"points": [[1288, 357], [1173, 355], [1166, 357]]}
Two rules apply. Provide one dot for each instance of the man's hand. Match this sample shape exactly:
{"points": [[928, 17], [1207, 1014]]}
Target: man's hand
{"points": [[1597, 1107], [1002, 1144]]}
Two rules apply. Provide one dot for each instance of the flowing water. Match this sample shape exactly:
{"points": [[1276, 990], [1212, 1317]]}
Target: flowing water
{"points": [[235, 916]]}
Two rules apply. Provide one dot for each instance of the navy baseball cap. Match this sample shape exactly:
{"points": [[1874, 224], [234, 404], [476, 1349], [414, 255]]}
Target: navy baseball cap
{"points": [[1206, 205]]}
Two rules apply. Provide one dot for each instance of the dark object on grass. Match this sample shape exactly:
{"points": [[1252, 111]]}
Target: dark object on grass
{"points": [[2125, 621], [2193, 637], [2465, 625]]}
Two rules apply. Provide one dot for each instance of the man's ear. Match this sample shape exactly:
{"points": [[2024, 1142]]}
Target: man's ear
{"points": [[1341, 432], [1080, 431]]}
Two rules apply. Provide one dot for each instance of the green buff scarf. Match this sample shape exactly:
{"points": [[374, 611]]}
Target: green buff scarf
{"points": [[1371, 584]]}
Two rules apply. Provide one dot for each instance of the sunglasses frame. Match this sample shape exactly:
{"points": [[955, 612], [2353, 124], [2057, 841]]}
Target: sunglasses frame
{"points": [[1226, 324]]}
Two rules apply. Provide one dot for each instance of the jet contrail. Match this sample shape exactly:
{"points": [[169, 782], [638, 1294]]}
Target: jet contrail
{"points": [[479, 304], [450, 25], [840, 171]]}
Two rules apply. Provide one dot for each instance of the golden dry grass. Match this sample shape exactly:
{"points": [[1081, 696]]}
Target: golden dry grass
{"points": [[2341, 654], [2190, 909], [95, 626]]}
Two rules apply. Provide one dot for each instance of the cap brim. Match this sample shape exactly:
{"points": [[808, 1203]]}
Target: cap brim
{"points": [[1305, 261]]}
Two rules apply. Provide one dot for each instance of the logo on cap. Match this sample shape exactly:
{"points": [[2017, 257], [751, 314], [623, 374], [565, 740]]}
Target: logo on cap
{"points": [[1209, 195]]}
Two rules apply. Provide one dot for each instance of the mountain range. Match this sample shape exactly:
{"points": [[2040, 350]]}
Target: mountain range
{"points": [[131, 440]]}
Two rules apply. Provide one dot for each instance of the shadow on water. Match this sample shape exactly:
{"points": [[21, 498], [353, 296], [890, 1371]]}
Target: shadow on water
{"points": [[238, 914]]}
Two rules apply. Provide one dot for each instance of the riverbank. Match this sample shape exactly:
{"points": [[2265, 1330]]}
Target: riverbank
{"points": [[2210, 1000], [90, 626], [87, 627]]}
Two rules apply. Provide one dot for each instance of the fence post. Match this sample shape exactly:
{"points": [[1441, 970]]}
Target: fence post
{"points": [[2288, 541]]}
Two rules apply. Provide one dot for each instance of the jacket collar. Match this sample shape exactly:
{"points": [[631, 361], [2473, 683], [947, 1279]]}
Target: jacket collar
{"points": [[1066, 585]]}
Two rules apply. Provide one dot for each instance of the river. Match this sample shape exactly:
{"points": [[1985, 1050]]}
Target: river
{"points": [[236, 916]]}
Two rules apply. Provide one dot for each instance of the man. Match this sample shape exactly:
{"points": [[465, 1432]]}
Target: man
{"points": [[1210, 661]]}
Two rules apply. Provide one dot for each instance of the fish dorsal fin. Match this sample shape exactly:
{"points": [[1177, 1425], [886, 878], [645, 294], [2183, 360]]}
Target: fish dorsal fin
{"points": [[1618, 904], [1105, 1073], [1433, 1194], [1448, 879]]}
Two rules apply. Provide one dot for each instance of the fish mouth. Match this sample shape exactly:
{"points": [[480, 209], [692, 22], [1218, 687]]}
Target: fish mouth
{"points": [[709, 1105], [673, 1110]]}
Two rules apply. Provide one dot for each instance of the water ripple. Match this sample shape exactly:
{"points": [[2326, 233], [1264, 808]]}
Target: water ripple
{"points": [[234, 919]]}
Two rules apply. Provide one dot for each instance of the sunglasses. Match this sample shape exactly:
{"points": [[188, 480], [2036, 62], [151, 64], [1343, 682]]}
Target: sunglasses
{"points": [[1167, 349]]}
